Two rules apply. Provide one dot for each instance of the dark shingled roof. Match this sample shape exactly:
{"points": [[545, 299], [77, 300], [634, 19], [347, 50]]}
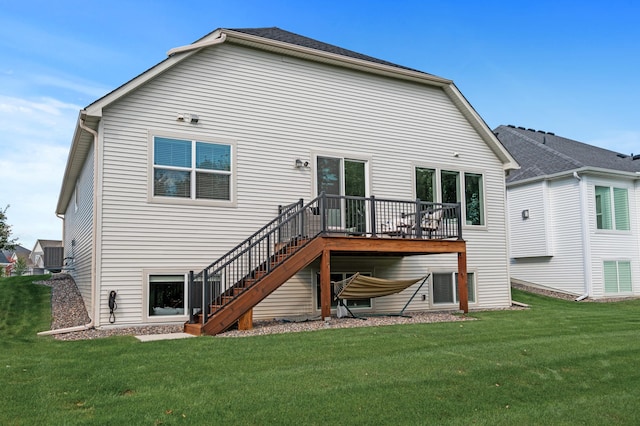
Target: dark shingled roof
{"points": [[275, 33], [541, 154]]}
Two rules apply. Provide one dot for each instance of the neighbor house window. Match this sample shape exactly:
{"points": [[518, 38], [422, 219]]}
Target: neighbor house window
{"points": [[445, 288], [166, 295], [356, 303], [190, 169], [617, 277], [612, 208]]}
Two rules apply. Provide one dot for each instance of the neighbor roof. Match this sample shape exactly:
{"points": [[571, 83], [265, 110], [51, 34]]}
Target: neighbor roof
{"points": [[542, 154]]}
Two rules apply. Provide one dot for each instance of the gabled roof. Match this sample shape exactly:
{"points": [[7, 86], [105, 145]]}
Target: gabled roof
{"points": [[275, 33], [544, 154], [276, 40], [3, 259], [47, 243]]}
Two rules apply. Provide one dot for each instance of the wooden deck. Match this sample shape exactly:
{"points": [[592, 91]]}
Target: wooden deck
{"points": [[323, 247]]}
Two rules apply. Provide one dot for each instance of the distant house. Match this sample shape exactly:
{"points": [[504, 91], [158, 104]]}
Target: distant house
{"points": [[204, 157], [43, 251], [12, 256], [4, 265], [574, 212]]}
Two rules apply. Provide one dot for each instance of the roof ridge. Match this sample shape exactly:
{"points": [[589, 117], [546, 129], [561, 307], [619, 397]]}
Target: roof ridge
{"points": [[545, 147]]}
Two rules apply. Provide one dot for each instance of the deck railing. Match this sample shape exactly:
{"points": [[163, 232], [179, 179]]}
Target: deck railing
{"points": [[298, 223]]}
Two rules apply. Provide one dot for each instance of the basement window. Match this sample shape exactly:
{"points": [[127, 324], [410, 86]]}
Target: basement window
{"points": [[445, 288], [166, 295]]}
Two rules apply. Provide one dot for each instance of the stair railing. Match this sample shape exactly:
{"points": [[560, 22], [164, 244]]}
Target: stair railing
{"points": [[296, 224]]}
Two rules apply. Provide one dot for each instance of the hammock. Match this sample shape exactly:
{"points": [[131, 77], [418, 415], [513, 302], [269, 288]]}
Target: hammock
{"points": [[362, 287]]}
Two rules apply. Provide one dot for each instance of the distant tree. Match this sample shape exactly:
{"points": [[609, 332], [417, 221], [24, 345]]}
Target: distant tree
{"points": [[20, 266], [6, 242]]}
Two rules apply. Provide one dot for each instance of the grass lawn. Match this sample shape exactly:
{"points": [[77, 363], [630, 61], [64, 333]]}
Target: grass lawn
{"points": [[558, 363]]}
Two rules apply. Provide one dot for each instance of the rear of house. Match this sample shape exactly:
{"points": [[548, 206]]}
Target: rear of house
{"points": [[179, 165], [573, 215]]}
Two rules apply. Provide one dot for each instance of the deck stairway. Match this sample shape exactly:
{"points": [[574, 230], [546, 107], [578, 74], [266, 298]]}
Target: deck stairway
{"points": [[225, 291]]}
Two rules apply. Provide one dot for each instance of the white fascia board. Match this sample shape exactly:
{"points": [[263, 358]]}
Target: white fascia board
{"points": [[95, 109], [333, 58], [508, 162], [68, 181], [596, 171]]}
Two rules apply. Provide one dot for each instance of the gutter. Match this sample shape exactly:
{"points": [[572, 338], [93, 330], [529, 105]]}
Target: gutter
{"points": [[91, 323], [586, 249], [199, 45]]}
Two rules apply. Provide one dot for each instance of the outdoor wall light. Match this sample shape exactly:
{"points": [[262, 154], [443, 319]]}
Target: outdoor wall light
{"points": [[301, 164], [525, 214], [194, 119]]}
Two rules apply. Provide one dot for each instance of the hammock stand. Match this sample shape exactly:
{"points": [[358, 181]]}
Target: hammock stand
{"points": [[359, 286]]}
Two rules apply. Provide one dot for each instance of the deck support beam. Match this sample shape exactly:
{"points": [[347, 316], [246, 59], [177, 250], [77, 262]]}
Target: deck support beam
{"points": [[463, 293], [325, 284]]}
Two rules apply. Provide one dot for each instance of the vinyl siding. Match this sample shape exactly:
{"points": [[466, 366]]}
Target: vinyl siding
{"points": [[78, 231], [275, 110], [529, 237], [612, 245], [565, 269]]}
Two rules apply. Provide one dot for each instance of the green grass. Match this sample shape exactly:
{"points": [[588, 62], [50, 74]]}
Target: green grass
{"points": [[558, 363]]}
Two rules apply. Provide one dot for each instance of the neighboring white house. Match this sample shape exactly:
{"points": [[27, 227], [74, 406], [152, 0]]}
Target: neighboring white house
{"points": [[174, 168], [573, 215], [42, 251]]}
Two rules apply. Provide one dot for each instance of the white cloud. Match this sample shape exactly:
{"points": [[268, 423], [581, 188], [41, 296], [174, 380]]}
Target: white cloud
{"points": [[35, 135], [84, 88]]}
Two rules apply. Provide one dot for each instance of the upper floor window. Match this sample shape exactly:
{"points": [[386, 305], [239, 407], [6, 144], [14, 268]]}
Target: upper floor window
{"points": [[451, 184], [612, 208], [190, 169]]}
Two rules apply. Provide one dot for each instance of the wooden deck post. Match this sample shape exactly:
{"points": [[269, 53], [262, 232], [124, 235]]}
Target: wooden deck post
{"points": [[246, 321], [325, 284], [463, 293]]}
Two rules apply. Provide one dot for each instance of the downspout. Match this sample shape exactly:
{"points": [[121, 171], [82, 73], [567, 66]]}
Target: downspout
{"points": [[90, 324], [586, 248]]}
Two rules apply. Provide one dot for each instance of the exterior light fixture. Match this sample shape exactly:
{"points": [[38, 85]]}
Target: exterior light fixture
{"points": [[194, 119], [525, 214]]}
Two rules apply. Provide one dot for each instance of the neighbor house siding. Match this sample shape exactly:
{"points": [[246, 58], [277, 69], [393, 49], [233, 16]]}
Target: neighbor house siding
{"points": [[531, 236], [78, 231], [563, 270], [613, 245], [277, 109]]}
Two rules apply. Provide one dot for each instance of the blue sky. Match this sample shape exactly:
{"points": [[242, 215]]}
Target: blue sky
{"points": [[568, 67]]}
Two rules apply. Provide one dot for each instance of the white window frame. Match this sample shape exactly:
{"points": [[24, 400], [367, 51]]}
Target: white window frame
{"points": [[147, 274], [612, 208], [617, 264], [471, 301], [151, 198], [461, 190]]}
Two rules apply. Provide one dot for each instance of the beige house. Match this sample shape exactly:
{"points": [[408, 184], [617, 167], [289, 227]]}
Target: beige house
{"points": [[195, 156]]}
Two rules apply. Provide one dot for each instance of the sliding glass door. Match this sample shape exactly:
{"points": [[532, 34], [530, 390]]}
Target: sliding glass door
{"points": [[342, 176]]}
